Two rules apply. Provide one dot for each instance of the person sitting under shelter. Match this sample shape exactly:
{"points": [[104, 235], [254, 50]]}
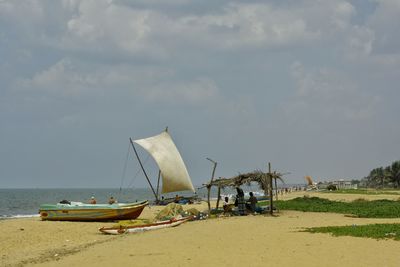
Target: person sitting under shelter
{"points": [[252, 203], [226, 206]]}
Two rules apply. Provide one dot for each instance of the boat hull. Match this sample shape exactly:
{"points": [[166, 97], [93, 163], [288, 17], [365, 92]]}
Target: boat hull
{"points": [[93, 212], [142, 228]]}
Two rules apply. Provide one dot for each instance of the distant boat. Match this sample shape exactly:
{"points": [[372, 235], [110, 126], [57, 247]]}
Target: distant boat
{"points": [[140, 228], [78, 211]]}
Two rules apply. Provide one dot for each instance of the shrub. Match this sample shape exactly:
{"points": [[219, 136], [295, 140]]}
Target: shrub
{"points": [[331, 187]]}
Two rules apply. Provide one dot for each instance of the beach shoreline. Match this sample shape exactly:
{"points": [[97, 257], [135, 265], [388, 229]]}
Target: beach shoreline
{"points": [[232, 241]]}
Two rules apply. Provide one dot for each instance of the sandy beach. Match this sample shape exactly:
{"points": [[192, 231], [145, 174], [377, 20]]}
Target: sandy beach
{"points": [[230, 241]]}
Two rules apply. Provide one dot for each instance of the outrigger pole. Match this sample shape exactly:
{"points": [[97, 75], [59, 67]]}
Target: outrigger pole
{"points": [[145, 174]]}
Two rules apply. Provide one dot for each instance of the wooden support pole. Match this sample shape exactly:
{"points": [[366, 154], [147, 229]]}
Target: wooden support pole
{"points": [[271, 198], [209, 185], [219, 196]]}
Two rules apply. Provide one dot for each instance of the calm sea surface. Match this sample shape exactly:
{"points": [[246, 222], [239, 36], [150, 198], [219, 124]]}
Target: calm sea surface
{"points": [[25, 202], [16, 203]]}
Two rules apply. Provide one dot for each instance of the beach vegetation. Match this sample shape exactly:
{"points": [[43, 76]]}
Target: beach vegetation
{"points": [[365, 191], [376, 231], [360, 208], [331, 187]]}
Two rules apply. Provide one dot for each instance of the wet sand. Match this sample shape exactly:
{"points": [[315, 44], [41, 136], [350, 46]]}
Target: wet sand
{"points": [[231, 241]]}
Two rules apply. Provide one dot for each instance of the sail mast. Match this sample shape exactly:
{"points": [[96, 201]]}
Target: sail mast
{"points": [[158, 180], [145, 174]]}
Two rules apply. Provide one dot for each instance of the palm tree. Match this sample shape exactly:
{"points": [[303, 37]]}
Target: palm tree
{"points": [[393, 173], [376, 177], [396, 172]]}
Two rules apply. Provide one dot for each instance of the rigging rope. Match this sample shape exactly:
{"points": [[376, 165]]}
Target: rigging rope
{"points": [[124, 171], [125, 168], [137, 173]]}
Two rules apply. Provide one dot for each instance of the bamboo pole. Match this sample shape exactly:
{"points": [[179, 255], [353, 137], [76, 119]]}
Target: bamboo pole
{"points": [[219, 196], [158, 183], [209, 185], [271, 198]]}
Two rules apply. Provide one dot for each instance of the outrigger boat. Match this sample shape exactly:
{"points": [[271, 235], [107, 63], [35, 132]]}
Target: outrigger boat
{"points": [[78, 211], [172, 169], [141, 228]]}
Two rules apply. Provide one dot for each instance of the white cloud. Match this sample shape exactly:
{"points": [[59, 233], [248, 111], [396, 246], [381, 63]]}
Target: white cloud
{"points": [[326, 94], [360, 41], [106, 28], [62, 78], [385, 24], [198, 92], [66, 78], [342, 13], [247, 25]]}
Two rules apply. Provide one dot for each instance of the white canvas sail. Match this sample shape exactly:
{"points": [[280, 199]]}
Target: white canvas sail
{"points": [[175, 176]]}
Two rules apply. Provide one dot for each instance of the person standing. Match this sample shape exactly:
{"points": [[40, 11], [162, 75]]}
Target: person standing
{"points": [[241, 204]]}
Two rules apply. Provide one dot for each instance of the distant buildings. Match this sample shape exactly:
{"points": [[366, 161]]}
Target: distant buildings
{"points": [[343, 184], [340, 184]]}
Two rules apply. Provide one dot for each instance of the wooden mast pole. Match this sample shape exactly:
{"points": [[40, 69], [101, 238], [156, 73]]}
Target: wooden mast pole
{"points": [[158, 181], [145, 174], [209, 185], [271, 198], [219, 196], [276, 187]]}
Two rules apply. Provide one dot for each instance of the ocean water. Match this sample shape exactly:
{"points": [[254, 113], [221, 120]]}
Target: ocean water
{"points": [[26, 202], [15, 203]]}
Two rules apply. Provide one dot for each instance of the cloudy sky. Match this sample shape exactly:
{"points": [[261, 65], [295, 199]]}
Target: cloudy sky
{"points": [[310, 85]]}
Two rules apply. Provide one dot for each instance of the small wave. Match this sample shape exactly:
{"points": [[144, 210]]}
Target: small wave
{"points": [[18, 216]]}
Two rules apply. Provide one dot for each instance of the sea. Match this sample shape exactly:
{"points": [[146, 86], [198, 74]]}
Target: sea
{"points": [[20, 203]]}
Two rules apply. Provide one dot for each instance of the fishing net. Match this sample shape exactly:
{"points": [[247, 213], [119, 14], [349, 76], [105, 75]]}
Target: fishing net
{"points": [[170, 211]]}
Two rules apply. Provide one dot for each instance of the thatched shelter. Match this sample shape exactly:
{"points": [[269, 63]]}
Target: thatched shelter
{"points": [[263, 179]]}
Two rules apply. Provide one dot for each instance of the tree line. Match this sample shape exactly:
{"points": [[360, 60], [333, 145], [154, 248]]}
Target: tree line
{"points": [[384, 176]]}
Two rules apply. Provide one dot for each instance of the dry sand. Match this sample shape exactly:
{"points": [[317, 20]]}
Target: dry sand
{"points": [[234, 241]]}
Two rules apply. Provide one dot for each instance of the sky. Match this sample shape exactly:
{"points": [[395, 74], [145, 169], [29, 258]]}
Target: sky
{"points": [[311, 86]]}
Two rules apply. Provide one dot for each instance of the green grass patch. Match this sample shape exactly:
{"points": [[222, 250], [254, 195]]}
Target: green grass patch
{"points": [[376, 231], [363, 192], [358, 208]]}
